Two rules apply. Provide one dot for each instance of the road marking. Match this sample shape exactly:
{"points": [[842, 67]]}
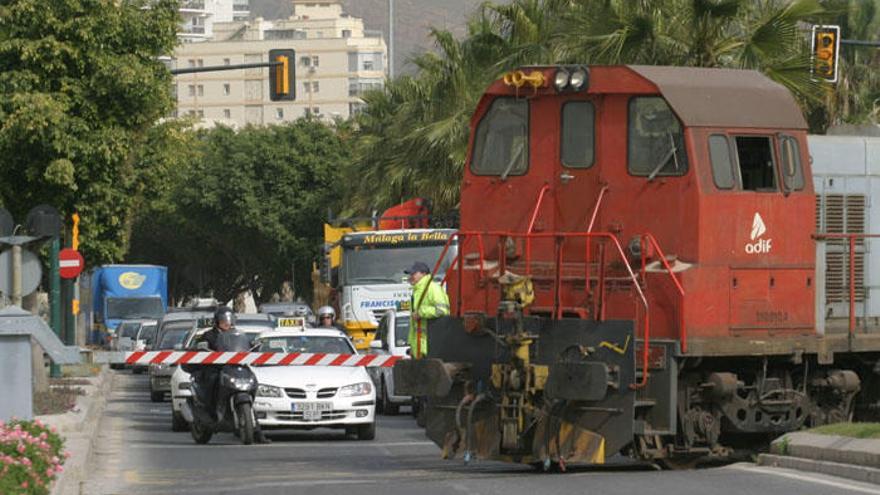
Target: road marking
{"points": [[280, 444], [802, 476]]}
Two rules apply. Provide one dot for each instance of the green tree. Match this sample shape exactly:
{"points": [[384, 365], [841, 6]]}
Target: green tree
{"points": [[247, 208], [80, 86]]}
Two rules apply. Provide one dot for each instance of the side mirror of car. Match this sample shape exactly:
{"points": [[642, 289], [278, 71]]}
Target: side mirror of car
{"points": [[202, 346]]}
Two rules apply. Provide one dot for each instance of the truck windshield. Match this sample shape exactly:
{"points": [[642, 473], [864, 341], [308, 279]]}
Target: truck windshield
{"points": [[121, 308], [385, 265], [401, 331]]}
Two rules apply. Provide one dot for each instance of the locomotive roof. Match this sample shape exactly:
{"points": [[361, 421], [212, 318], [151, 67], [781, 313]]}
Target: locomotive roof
{"points": [[703, 97]]}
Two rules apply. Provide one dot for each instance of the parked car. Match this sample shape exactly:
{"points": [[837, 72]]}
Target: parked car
{"points": [[307, 397], [146, 339], [173, 330], [391, 339]]}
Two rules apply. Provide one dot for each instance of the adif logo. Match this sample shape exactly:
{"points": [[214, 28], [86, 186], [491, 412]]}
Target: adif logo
{"points": [[758, 245]]}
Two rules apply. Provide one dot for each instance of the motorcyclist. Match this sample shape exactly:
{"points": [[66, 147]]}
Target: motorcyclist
{"points": [[207, 376], [327, 318]]}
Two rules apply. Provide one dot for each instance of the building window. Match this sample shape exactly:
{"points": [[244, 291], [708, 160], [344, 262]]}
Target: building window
{"points": [[368, 65], [191, 90], [200, 62], [315, 61], [307, 87], [201, 90], [315, 87], [279, 113], [201, 114], [226, 88], [192, 62], [316, 111], [226, 61], [305, 61], [346, 33], [227, 114]]}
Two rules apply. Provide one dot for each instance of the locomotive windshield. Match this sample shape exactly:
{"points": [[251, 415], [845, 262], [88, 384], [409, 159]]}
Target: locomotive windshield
{"points": [[501, 144], [656, 139]]}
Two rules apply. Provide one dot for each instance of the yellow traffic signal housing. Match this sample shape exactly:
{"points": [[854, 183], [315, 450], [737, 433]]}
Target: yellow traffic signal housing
{"points": [[74, 241], [282, 75], [826, 52]]}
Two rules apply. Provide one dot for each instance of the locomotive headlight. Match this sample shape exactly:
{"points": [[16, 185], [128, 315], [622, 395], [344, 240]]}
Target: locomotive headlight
{"points": [[579, 78], [561, 79]]}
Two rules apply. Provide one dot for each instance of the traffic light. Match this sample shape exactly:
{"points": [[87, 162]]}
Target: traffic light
{"points": [[74, 238], [282, 75], [826, 51]]}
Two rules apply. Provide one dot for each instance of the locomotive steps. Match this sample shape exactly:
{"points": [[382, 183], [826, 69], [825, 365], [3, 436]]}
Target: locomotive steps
{"points": [[836, 455]]}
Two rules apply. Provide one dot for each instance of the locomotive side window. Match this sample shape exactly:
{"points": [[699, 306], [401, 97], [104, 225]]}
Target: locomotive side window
{"points": [[578, 136], [792, 172], [501, 144], [722, 165], [656, 139], [755, 154]]}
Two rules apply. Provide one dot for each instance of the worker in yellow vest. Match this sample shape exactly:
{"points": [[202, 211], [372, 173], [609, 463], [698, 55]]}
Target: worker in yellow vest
{"points": [[429, 301]]}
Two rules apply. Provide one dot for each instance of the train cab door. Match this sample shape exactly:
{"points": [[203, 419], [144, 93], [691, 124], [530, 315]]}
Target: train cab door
{"points": [[574, 176]]}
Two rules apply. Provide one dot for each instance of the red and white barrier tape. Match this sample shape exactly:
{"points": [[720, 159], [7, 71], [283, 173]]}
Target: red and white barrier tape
{"points": [[260, 358]]}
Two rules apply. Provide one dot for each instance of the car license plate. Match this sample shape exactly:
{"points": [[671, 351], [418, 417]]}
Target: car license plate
{"points": [[311, 411]]}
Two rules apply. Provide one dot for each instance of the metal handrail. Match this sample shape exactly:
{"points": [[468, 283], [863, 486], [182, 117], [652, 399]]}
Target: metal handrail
{"points": [[596, 208], [851, 238], [559, 237], [682, 331]]}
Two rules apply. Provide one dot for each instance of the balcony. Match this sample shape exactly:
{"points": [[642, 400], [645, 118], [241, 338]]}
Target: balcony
{"points": [[192, 5], [190, 29], [241, 6]]}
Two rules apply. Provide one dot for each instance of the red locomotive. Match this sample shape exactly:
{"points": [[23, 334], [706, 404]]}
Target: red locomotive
{"points": [[635, 273]]}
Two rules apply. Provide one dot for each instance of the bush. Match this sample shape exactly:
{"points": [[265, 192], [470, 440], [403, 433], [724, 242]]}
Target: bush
{"points": [[30, 457]]}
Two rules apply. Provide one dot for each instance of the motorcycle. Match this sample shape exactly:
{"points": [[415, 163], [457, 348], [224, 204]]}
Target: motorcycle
{"points": [[235, 387]]}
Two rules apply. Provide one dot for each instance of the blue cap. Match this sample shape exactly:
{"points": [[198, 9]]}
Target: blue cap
{"points": [[418, 266]]}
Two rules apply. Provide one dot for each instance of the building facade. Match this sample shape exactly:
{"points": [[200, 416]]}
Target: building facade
{"points": [[199, 16], [336, 61]]}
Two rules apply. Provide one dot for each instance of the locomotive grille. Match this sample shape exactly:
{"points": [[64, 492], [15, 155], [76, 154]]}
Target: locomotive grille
{"points": [[842, 213]]}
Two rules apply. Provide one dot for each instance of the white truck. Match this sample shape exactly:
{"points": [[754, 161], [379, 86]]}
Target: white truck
{"points": [[371, 274]]}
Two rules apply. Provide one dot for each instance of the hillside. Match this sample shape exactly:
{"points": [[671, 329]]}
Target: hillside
{"points": [[414, 18]]}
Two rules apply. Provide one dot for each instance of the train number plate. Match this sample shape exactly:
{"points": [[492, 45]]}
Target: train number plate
{"points": [[311, 411]]}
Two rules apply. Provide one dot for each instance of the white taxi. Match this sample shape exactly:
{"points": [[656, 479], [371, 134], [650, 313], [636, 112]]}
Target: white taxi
{"points": [[307, 397]]}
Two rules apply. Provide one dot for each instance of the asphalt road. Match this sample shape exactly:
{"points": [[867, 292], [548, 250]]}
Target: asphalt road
{"points": [[138, 453]]}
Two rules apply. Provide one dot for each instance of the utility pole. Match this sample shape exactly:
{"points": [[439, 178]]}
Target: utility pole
{"points": [[391, 39]]}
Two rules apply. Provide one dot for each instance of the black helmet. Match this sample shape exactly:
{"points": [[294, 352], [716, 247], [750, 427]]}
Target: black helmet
{"points": [[223, 313]]}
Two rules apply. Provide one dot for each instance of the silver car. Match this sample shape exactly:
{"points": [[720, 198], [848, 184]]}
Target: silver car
{"points": [[391, 339]]}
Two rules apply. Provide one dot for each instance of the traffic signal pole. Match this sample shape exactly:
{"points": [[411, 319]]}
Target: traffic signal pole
{"points": [[55, 297], [215, 68], [875, 44]]}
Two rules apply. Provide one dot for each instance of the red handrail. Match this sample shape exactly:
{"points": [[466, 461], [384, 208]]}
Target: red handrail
{"points": [[559, 237], [682, 331], [596, 208], [544, 189], [851, 238]]}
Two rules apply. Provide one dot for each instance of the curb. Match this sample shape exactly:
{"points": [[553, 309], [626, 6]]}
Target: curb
{"points": [[849, 471], [80, 432]]}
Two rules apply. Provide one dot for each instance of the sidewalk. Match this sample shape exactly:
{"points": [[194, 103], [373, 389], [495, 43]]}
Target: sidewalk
{"points": [[852, 458], [79, 428]]}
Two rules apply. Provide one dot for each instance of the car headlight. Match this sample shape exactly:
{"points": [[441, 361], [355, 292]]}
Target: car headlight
{"points": [[363, 388], [268, 391], [183, 386]]}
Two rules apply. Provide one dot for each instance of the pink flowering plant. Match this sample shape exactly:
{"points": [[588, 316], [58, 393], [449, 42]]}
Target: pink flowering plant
{"points": [[30, 457]]}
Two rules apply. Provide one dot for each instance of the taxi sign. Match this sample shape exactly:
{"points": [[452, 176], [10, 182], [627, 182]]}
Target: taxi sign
{"points": [[292, 322]]}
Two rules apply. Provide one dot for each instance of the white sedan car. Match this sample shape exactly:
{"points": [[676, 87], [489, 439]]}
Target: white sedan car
{"points": [[307, 397]]}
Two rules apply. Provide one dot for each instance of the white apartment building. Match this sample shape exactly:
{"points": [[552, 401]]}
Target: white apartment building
{"points": [[199, 17], [336, 60]]}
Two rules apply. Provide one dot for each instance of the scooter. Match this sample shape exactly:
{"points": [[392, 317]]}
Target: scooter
{"points": [[236, 387]]}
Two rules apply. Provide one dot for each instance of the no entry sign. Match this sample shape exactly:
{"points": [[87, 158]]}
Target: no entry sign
{"points": [[70, 263]]}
